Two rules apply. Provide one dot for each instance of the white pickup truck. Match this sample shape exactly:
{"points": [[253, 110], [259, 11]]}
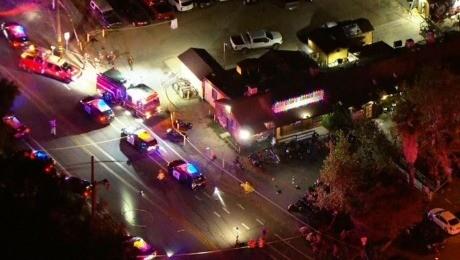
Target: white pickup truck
{"points": [[257, 39]]}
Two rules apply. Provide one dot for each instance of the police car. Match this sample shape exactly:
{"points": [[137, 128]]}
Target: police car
{"points": [[186, 173], [140, 138], [97, 109], [39, 159], [15, 34], [17, 129]]}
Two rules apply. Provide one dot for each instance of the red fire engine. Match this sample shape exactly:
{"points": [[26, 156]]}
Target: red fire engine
{"points": [[141, 99]]}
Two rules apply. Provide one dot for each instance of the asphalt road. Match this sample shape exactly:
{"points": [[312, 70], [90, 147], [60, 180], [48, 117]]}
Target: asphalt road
{"points": [[169, 215]]}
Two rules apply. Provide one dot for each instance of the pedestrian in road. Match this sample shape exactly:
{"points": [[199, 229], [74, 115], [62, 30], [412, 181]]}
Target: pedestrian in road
{"points": [[53, 126], [130, 62]]}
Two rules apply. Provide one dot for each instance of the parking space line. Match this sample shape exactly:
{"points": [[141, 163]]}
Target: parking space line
{"points": [[198, 198], [245, 226], [217, 214], [241, 206], [226, 210], [260, 221]]}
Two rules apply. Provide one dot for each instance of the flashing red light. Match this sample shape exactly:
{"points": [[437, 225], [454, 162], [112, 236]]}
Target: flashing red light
{"points": [[261, 242], [252, 243], [27, 130]]}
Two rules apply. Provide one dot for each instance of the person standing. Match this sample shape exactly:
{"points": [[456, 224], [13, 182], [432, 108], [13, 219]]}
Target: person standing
{"points": [[130, 62], [53, 127]]}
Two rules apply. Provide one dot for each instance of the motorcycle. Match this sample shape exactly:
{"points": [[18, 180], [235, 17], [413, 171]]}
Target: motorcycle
{"points": [[182, 125], [255, 160]]}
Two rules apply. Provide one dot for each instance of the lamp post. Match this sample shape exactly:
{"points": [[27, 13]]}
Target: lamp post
{"points": [[58, 27]]}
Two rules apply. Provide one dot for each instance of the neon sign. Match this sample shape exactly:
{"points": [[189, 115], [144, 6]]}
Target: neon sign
{"points": [[299, 101]]}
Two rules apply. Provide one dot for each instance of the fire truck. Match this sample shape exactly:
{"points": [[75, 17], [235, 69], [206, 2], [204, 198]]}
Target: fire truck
{"points": [[140, 99], [42, 61]]}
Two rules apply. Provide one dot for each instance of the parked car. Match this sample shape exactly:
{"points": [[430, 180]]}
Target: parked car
{"points": [[15, 127], [40, 159], [186, 173], [162, 11], [140, 138], [78, 186], [15, 34], [137, 248], [256, 39], [182, 5], [203, 3], [105, 14], [136, 14], [423, 237], [97, 109], [445, 219], [175, 136]]}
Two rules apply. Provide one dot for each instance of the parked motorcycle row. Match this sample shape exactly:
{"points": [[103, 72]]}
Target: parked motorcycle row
{"points": [[266, 156], [307, 149]]}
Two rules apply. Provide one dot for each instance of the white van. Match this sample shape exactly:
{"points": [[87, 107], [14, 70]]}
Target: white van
{"points": [[104, 13], [182, 5]]}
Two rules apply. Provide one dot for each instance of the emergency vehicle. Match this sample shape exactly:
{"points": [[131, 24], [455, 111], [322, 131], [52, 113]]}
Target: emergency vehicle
{"points": [[141, 99], [42, 61], [140, 138], [15, 34], [39, 159], [186, 173], [97, 109], [17, 129]]}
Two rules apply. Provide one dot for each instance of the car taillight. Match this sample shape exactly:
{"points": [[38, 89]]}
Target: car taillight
{"points": [[49, 168], [102, 119], [27, 130], [16, 44]]}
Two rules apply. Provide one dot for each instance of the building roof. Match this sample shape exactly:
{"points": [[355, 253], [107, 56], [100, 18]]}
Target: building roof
{"points": [[376, 50], [200, 63], [260, 107], [229, 82], [343, 35], [283, 73]]}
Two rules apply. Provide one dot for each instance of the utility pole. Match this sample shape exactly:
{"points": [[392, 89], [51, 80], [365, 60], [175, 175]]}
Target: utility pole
{"points": [[58, 28], [93, 192]]}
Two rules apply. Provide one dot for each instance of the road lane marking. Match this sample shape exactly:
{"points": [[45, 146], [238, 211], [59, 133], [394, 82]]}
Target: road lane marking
{"points": [[448, 201], [291, 246], [245, 226], [260, 221], [180, 230], [198, 198], [82, 145], [241, 206], [226, 210], [217, 214]]}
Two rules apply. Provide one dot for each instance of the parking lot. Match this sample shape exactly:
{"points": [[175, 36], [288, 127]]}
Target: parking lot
{"points": [[210, 28]]}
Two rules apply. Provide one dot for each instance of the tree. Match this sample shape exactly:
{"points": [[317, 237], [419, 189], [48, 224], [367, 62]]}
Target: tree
{"points": [[362, 181], [340, 118], [8, 92], [428, 120]]}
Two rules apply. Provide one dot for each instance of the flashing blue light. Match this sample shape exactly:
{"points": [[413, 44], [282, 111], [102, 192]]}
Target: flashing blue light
{"points": [[18, 31], [41, 155], [191, 169], [102, 105]]}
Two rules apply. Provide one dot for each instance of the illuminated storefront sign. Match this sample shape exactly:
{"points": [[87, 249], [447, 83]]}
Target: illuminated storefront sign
{"points": [[299, 101]]}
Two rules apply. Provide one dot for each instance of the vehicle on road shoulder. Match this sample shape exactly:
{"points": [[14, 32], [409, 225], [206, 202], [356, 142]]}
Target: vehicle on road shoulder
{"points": [[445, 219], [186, 173], [78, 186], [256, 39], [40, 159], [15, 127], [42, 61], [15, 34], [140, 138], [97, 109]]}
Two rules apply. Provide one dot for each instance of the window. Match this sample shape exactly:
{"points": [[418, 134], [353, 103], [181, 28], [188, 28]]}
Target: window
{"points": [[260, 40], [214, 94]]}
